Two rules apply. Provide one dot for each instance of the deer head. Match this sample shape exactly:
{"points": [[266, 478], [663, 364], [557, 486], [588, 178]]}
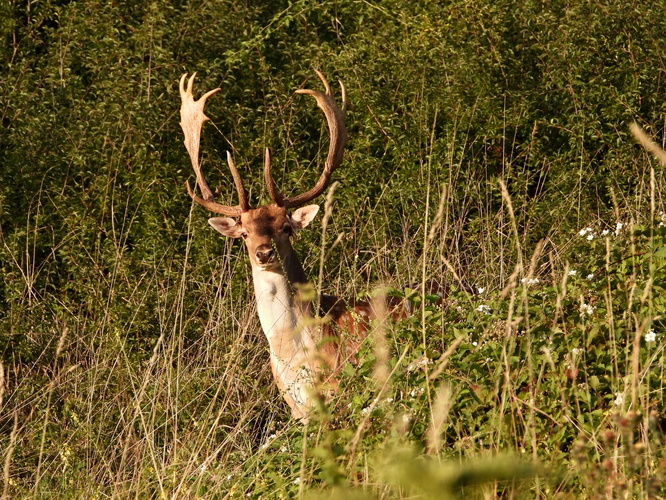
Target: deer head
{"points": [[266, 230]]}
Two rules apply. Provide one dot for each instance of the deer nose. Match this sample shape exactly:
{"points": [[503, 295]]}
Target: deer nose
{"points": [[265, 254]]}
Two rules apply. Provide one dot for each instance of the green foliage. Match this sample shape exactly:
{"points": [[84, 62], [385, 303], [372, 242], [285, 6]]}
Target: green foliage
{"points": [[130, 361], [564, 370]]}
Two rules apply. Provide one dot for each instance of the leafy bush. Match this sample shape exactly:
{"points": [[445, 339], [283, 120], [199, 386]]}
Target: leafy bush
{"points": [[483, 138]]}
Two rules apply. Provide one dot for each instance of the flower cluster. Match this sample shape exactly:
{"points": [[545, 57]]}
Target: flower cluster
{"points": [[419, 363], [485, 309], [587, 309], [417, 391], [587, 233]]}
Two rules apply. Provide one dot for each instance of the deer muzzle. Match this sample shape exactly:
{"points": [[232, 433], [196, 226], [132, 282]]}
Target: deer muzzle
{"points": [[265, 254]]}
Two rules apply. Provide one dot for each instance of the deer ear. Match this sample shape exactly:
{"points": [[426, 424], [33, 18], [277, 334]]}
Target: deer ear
{"points": [[227, 226], [303, 216]]}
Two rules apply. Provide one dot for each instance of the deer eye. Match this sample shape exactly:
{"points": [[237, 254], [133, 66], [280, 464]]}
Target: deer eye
{"points": [[287, 229]]}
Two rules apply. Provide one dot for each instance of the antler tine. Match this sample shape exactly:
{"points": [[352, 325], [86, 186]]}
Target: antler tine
{"points": [[270, 183], [345, 102], [335, 119], [242, 194], [192, 118], [327, 87]]}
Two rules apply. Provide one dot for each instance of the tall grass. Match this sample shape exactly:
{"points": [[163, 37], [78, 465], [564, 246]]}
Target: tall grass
{"points": [[546, 378]]}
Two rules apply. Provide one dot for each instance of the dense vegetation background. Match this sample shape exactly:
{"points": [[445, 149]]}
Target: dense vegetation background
{"points": [[132, 362]]}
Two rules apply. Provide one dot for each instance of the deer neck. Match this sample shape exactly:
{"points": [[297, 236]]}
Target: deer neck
{"points": [[291, 265], [292, 341]]}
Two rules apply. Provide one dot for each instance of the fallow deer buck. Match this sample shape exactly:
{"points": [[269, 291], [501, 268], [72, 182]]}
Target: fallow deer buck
{"points": [[300, 356]]}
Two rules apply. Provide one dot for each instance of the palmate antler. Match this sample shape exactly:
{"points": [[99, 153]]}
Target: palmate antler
{"points": [[193, 118]]}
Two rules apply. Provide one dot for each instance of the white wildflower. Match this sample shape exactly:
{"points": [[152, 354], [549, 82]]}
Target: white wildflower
{"points": [[481, 290], [619, 399], [485, 309], [531, 281], [475, 343], [573, 272], [419, 363], [587, 309], [605, 232], [585, 231], [618, 228], [576, 351], [590, 276], [651, 336], [424, 361], [297, 480], [416, 392], [488, 360], [590, 237]]}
